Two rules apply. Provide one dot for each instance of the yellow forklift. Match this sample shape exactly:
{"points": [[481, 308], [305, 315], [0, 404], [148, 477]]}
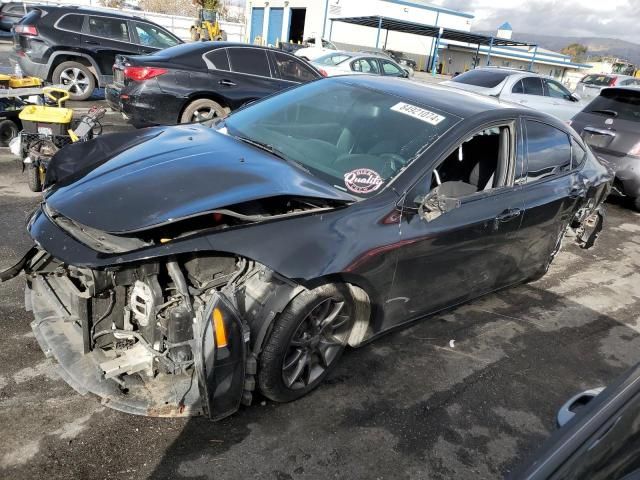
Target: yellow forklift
{"points": [[207, 27]]}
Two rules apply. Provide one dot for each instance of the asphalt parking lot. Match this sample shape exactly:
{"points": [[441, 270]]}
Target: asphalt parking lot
{"points": [[411, 405]]}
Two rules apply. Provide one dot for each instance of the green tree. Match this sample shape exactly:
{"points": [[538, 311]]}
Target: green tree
{"points": [[576, 51]]}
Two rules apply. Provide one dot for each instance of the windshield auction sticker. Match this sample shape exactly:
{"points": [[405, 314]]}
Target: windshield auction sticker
{"points": [[363, 180], [417, 112]]}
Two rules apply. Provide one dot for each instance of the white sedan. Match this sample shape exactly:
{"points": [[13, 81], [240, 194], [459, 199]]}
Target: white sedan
{"points": [[526, 88], [350, 63]]}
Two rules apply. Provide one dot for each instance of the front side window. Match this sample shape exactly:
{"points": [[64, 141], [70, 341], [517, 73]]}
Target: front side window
{"points": [[152, 36], [109, 28], [355, 139], [72, 22], [391, 69], [556, 90], [548, 151], [249, 60], [532, 86], [292, 69], [366, 65]]}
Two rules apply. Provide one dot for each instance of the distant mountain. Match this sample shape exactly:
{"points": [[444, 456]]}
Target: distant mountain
{"points": [[596, 46]]}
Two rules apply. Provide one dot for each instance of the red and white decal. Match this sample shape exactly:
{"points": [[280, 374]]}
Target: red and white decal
{"points": [[363, 180]]}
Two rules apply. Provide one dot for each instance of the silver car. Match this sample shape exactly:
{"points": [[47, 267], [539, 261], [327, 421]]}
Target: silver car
{"points": [[526, 88], [590, 86], [350, 63]]}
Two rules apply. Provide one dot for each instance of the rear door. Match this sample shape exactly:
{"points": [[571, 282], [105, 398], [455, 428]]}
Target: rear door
{"points": [[551, 189], [527, 91], [366, 65], [107, 37], [247, 77]]}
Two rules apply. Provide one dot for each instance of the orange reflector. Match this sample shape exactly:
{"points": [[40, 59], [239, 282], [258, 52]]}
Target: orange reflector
{"points": [[218, 326]]}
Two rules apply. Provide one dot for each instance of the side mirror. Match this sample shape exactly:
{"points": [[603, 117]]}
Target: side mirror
{"points": [[406, 74], [435, 204], [575, 97]]}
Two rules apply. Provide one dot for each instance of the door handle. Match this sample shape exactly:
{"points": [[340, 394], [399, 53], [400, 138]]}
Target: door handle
{"points": [[226, 83], [91, 42], [508, 215]]}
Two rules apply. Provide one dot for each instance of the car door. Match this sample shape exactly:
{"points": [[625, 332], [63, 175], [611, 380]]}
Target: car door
{"points": [[551, 191], [466, 251], [527, 91], [248, 78], [365, 65], [150, 38], [559, 100], [106, 37], [599, 443]]}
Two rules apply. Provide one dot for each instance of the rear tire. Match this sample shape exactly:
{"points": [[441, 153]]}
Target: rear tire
{"points": [[8, 131], [81, 81], [201, 110], [300, 352], [34, 178]]}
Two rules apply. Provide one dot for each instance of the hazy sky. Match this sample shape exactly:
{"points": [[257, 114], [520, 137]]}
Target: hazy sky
{"points": [[610, 18]]}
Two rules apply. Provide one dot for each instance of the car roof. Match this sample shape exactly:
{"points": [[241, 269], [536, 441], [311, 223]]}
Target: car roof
{"points": [[194, 47], [461, 103], [84, 10], [630, 88]]}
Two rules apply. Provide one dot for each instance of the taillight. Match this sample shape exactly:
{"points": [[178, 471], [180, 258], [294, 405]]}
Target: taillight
{"points": [[613, 81], [323, 72], [140, 74], [635, 151], [26, 29]]}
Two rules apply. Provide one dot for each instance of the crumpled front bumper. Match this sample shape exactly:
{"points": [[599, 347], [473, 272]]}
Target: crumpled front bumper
{"points": [[60, 337]]}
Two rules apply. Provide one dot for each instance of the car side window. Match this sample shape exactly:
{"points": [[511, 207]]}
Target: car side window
{"points": [[365, 65], [483, 162], [109, 28], [548, 151], [532, 86], [218, 59], [292, 69], [578, 154], [556, 90], [72, 22], [152, 36], [391, 69], [252, 61]]}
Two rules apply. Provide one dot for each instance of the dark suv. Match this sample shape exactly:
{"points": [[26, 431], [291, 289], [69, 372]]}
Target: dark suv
{"points": [[77, 47]]}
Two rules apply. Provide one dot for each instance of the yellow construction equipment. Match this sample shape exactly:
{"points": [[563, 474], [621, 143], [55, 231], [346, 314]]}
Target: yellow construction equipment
{"points": [[207, 27], [11, 81]]}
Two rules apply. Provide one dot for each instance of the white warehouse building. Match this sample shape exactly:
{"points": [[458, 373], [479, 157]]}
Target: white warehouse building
{"points": [[272, 21]]}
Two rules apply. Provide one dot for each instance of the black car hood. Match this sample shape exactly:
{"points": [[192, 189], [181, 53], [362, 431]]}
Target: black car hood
{"points": [[166, 174]]}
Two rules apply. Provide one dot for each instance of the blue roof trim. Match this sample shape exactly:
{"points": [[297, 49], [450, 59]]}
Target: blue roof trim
{"points": [[432, 8], [558, 55], [505, 26]]}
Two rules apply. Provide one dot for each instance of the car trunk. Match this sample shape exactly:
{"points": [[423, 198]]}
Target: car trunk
{"points": [[611, 123]]}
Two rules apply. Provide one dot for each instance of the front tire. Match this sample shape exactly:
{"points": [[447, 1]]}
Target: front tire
{"points": [[77, 77], [306, 342], [202, 110]]}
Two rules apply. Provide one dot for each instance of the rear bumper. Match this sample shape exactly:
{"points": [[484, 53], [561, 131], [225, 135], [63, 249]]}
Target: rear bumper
{"points": [[29, 67], [145, 108], [627, 172]]}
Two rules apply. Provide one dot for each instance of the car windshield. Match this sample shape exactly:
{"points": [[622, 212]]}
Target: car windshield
{"points": [[332, 59], [623, 104], [355, 138], [482, 78]]}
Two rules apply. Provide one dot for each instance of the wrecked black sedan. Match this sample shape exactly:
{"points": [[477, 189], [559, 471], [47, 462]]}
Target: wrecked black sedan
{"points": [[178, 269]]}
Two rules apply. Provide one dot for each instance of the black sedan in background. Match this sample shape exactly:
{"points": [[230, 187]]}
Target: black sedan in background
{"points": [[610, 124], [199, 81], [176, 269]]}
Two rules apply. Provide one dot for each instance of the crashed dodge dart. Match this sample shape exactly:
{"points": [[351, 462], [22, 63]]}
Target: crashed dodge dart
{"points": [[176, 270]]}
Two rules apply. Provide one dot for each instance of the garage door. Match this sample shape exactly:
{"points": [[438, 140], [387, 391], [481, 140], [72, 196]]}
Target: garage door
{"points": [[275, 25], [257, 17]]}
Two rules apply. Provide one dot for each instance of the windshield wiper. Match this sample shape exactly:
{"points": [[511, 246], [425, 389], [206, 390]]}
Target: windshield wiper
{"points": [[267, 147], [611, 113]]}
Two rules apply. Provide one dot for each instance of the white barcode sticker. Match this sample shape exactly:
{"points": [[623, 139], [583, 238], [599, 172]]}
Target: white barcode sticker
{"points": [[419, 113]]}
